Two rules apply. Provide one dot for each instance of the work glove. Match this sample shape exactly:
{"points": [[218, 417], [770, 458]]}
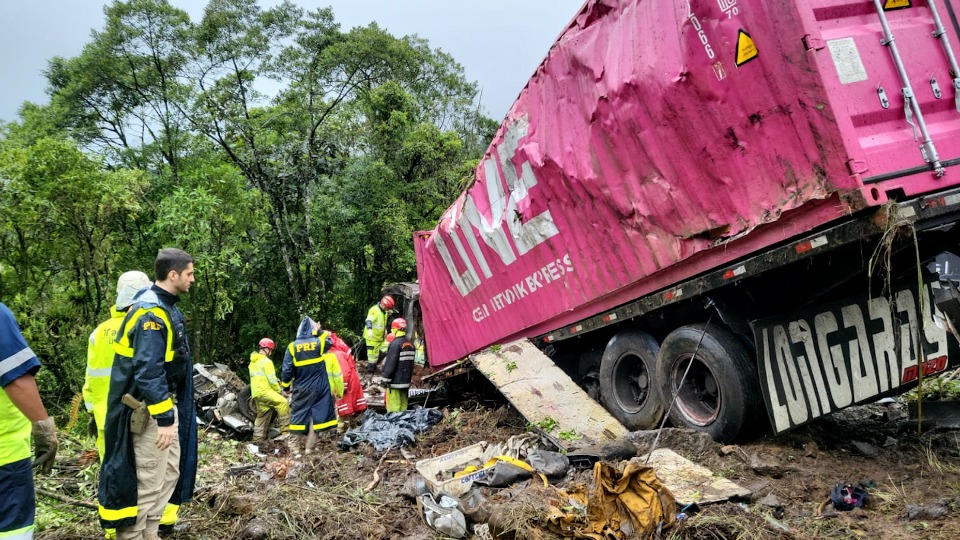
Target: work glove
{"points": [[45, 444]]}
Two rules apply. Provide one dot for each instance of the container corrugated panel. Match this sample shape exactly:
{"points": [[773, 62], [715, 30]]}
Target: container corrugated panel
{"points": [[660, 139]]}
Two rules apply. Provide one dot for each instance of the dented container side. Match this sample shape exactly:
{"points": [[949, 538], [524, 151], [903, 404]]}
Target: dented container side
{"points": [[889, 71], [652, 133]]}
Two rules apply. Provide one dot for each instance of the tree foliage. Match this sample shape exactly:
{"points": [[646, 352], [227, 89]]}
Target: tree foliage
{"points": [[294, 159]]}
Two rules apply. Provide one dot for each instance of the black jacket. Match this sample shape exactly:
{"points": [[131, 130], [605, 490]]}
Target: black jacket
{"points": [[398, 365]]}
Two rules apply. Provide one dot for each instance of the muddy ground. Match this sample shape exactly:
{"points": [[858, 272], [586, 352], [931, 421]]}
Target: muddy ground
{"points": [[913, 483]]}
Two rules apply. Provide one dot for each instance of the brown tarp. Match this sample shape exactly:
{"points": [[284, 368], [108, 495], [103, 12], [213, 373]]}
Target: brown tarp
{"points": [[627, 503]]}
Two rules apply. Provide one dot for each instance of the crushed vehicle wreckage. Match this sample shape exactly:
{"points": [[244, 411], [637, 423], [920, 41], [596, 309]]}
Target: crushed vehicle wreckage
{"points": [[224, 403]]}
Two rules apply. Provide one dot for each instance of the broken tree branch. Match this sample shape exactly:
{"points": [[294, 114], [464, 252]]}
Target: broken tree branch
{"points": [[64, 498], [376, 474]]}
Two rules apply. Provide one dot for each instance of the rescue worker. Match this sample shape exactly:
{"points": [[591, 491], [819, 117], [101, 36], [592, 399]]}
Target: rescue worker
{"points": [[314, 374], [374, 329], [384, 346], [398, 367], [100, 353], [20, 405], [151, 432], [265, 390], [353, 401]]}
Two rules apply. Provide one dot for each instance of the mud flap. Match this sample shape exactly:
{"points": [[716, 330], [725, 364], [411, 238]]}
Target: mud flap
{"points": [[947, 298], [546, 396]]}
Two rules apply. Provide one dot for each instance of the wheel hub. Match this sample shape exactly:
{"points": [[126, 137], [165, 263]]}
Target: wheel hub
{"points": [[698, 397]]}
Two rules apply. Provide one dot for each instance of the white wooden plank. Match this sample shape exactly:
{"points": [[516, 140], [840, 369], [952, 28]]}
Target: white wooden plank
{"points": [[541, 391]]}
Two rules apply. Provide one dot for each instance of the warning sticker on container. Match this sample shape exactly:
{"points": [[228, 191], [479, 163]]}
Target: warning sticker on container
{"points": [[890, 5], [746, 48], [846, 58]]}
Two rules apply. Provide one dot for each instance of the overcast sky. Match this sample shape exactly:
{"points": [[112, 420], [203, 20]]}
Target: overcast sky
{"points": [[498, 42]]}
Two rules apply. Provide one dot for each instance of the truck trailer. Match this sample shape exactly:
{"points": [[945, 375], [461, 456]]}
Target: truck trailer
{"points": [[734, 212]]}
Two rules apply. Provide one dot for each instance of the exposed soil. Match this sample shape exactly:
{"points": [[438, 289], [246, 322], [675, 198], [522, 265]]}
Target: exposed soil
{"points": [[913, 483]]}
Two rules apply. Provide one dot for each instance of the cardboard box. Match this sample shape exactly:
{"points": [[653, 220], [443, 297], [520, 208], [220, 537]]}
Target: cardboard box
{"points": [[438, 472]]}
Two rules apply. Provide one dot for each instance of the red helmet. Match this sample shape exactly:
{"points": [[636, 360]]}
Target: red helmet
{"points": [[267, 343], [387, 302], [399, 324]]}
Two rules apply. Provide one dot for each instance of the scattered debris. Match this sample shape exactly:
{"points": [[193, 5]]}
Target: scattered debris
{"points": [[255, 530], [522, 372], [846, 497], [689, 482], [626, 501], [811, 450], [443, 515], [936, 414], [936, 510], [765, 465], [890, 441], [865, 449], [391, 430], [770, 500]]}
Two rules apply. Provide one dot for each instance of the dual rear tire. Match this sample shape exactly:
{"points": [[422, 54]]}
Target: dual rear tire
{"points": [[707, 369]]}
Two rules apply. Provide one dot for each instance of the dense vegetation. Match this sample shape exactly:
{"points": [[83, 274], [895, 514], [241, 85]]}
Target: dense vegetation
{"points": [[293, 159]]}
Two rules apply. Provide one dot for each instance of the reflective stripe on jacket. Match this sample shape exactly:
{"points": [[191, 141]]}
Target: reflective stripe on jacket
{"points": [[314, 373], [152, 363], [398, 365], [16, 360], [374, 327], [263, 375], [96, 383]]}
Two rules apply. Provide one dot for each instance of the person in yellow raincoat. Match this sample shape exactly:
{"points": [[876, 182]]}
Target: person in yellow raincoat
{"points": [[265, 390]]}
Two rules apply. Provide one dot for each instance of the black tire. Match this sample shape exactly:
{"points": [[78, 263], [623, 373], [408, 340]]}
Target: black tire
{"points": [[628, 380], [245, 404], [721, 392]]}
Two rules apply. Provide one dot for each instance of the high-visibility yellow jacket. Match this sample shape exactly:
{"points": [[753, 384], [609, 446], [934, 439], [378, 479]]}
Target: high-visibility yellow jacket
{"points": [[374, 329], [16, 360], [100, 353], [263, 375]]}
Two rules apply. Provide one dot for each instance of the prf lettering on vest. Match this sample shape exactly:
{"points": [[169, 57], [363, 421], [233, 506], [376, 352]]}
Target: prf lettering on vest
{"points": [[311, 346], [150, 325], [505, 190]]}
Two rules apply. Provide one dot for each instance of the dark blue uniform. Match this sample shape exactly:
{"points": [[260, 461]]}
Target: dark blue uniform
{"points": [[314, 373], [153, 329]]}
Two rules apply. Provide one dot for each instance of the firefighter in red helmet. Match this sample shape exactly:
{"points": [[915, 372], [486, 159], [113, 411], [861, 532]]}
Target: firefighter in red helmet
{"points": [[398, 366], [374, 330], [265, 389]]}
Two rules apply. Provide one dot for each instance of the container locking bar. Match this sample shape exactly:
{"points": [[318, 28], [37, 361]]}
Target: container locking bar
{"points": [[940, 33], [911, 105]]}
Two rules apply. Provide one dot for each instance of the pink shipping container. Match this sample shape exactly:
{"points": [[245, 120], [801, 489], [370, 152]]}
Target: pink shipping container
{"points": [[660, 140]]}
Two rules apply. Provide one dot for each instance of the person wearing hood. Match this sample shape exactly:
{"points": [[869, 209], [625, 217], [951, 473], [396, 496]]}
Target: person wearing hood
{"points": [[353, 401], [265, 390], [313, 373], [150, 450], [100, 353]]}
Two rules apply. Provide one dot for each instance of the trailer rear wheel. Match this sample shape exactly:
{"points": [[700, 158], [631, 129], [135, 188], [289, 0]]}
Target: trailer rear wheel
{"points": [[720, 394], [628, 380]]}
